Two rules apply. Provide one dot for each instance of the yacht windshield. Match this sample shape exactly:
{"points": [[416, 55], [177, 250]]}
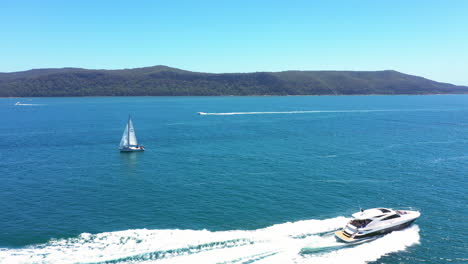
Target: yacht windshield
{"points": [[391, 217], [360, 223], [383, 210]]}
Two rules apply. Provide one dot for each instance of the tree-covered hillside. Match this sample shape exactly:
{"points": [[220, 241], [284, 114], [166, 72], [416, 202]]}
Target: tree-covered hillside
{"points": [[162, 80]]}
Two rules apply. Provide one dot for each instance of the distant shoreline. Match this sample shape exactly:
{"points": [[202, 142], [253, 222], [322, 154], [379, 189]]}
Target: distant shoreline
{"points": [[166, 81], [104, 96]]}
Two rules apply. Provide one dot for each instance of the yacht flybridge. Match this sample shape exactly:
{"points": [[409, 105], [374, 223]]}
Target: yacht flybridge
{"points": [[370, 223]]}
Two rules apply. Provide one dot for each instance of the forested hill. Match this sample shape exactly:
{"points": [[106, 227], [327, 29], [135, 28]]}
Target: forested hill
{"points": [[162, 80]]}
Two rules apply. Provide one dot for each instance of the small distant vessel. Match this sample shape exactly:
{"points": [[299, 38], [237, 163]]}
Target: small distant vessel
{"points": [[372, 223], [201, 113], [18, 103], [129, 142]]}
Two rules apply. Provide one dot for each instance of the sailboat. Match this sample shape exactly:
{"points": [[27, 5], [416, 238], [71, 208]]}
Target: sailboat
{"points": [[129, 142]]}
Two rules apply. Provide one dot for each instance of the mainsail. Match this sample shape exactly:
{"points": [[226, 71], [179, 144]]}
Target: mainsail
{"points": [[132, 140], [128, 137]]}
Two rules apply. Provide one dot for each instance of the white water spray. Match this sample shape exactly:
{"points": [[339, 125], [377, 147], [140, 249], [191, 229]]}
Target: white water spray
{"points": [[282, 243]]}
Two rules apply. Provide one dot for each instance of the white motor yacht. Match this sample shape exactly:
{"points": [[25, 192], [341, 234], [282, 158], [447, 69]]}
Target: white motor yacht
{"points": [[371, 223]]}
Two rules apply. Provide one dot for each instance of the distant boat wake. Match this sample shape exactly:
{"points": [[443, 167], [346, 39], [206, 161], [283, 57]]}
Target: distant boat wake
{"points": [[320, 111], [21, 104], [309, 241]]}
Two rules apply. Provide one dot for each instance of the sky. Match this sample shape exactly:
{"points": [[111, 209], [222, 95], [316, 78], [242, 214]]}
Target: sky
{"points": [[427, 38]]}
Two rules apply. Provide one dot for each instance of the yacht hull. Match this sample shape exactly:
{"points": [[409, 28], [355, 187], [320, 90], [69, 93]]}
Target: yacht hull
{"points": [[344, 237]]}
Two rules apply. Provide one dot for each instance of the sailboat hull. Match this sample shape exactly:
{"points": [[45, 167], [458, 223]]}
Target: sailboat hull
{"points": [[132, 149]]}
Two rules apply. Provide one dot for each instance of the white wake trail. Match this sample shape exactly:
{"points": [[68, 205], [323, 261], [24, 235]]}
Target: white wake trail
{"points": [[323, 111], [21, 104], [280, 243]]}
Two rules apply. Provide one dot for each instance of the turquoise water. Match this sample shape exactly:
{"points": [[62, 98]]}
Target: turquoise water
{"points": [[233, 188]]}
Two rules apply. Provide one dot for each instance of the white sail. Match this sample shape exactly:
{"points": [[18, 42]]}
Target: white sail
{"points": [[124, 140], [132, 140]]}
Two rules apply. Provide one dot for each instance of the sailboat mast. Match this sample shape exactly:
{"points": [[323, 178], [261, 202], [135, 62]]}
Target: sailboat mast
{"points": [[128, 130]]}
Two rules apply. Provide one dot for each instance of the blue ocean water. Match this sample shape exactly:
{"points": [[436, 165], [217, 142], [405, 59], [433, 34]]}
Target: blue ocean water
{"points": [[245, 186]]}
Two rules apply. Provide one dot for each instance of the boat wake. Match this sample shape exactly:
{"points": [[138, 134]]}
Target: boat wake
{"points": [[309, 241], [21, 104], [320, 111]]}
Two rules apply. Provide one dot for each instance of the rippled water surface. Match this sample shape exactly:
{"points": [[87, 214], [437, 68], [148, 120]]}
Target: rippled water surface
{"points": [[250, 180]]}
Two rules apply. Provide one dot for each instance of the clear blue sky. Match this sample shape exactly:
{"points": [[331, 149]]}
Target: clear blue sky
{"points": [[427, 38]]}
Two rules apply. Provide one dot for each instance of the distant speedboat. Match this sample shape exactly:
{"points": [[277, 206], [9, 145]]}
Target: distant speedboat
{"points": [[371, 223], [201, 113], [18, 103], [129, 142]]}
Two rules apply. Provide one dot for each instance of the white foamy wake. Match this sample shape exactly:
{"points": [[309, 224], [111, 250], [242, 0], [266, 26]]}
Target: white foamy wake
{"points": [[282, 243], [21, 104], [321, 111], [370, 251]]}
